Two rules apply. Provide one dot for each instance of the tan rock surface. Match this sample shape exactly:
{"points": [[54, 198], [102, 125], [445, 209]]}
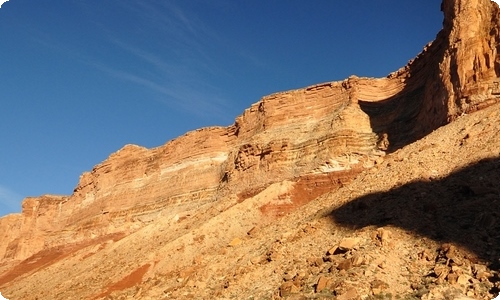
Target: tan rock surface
{"points": [[365, 160]]}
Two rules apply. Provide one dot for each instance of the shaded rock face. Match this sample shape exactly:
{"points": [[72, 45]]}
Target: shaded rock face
{"points": [[282, 152], [455, 74]]}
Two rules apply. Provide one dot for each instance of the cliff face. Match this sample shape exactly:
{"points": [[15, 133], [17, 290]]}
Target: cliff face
{"points": [[282, 152], [283, 136]]}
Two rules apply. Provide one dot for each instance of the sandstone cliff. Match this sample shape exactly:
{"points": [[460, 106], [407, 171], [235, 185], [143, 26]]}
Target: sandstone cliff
{"points": [[281, 153]]}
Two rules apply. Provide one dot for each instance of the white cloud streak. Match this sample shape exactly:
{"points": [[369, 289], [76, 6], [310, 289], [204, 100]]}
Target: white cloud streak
{"points": [[180, 67], [175, 61], [175, 94]]}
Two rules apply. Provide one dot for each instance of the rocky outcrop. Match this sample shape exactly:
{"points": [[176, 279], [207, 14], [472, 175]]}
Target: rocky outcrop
{"points": [[302, 143], [455, 74], [286, 136]]}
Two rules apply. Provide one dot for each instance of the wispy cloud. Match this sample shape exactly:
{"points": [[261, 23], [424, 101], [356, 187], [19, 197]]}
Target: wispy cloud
{"points": [[179, 30], [180, 69], [10, 201], [154, 60], [178, 27], [175, 59], [175, 94]]}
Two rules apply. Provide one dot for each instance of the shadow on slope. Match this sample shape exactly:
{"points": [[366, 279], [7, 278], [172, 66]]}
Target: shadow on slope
{"points": [[463, 208]]}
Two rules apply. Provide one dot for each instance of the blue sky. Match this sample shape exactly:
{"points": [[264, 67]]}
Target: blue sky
{"points": [[79, 79]]}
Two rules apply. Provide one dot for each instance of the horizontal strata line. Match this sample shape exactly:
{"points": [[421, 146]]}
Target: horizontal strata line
{"points": [[220, 157], [199, 196]]}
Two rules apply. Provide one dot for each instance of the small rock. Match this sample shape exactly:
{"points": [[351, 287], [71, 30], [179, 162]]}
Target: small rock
{"points": [[288, 277], [318, 262], [456, 270], [348, 243], [384, 235], [302, 273], [325, 268], [257, 259], [323, 282], [333, 251], [439, 270], [351, 294], [190, 283], [273, 256], [483, 276], [452, 278], [378, 286], [425, 254], [463, 279], [346, 264], [478, 269], [235, 242], [382, 265], [315, 270], [288, 288], [357, 260], [315, 261], [452, 256], [299, 278], [329, 258], [290, 274]]}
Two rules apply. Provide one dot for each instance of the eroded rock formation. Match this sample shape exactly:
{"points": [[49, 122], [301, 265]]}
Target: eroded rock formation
{"points": [[282, 152]]}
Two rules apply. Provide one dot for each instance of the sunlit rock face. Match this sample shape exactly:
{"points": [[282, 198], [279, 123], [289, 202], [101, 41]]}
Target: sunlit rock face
{"points": [[289, 147]]}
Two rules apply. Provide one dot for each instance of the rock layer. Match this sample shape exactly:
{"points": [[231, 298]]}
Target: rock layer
{"points": [[282, 152]]}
